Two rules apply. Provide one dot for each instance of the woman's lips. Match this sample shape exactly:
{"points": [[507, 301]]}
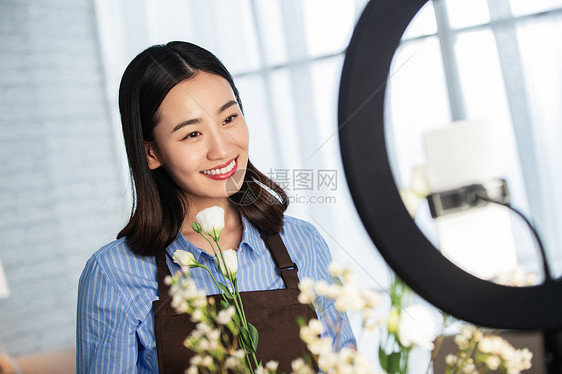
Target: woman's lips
{"points": [[224, 173]]}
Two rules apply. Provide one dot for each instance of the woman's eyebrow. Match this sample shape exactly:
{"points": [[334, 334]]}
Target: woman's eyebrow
{"points": [[185, 123], [197, 120], [226, 106]]}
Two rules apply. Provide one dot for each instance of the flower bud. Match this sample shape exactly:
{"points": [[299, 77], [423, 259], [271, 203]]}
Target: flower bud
{"points": [[211, 221], [184, 258], [230, 262], [393, 320]]}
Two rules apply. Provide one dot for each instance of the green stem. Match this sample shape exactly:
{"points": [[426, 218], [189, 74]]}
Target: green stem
{"points": [[228, 272], [214, 280], [237, 294], [249, 364], [208, 241], [215, 253], [242, 314], [237, 298], [240, 309], [406, 360]]}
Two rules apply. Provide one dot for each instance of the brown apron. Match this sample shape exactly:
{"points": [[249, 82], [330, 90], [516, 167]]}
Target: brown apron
{"points": [[273, 312]]}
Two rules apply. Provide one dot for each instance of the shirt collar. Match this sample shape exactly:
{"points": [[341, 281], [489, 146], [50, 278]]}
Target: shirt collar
{"points": [[250, 237]]}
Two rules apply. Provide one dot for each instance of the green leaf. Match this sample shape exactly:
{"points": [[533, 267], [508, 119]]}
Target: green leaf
{"points": [[254, 336], [383, 359], [224, 304], [245, 339], [394, 363], [249, 338]]}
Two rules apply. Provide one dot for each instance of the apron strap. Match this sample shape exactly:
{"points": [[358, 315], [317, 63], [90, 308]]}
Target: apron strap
{"points": [[286, 268], [163, 288]]}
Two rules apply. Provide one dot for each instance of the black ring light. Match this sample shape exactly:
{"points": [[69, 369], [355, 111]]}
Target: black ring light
{"points": [[376, 197]]}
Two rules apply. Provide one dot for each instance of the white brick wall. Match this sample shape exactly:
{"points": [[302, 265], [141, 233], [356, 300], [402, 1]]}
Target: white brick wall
{"points": [[61, 196]]}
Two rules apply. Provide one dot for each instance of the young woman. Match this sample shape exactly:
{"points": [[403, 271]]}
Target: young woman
{"points": [[187, 146]]}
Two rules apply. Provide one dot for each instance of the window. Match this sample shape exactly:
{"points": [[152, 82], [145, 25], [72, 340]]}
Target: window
{"points": [[491, 60]]}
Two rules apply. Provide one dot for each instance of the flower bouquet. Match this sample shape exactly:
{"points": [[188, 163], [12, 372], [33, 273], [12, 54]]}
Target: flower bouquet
{"points": [[223, 338], [225, 342]]}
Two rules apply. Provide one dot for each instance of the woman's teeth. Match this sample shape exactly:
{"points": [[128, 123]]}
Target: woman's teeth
{"points": [[224, 170]]}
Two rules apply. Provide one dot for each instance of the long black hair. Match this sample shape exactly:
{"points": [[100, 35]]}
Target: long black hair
{"points": [[158, 209]]}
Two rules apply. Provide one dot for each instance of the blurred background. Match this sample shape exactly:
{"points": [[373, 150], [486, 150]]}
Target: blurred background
{"points": [[64, 187]]}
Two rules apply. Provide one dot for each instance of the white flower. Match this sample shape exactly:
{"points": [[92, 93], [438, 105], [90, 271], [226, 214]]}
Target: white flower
{"points": [[526, 357], [300, 367], [320, 346], [184, 258], [207, 361], [231, 362], [333, 291], [225, 315], [370, 298], [316, 326], [417, 327], [310, 333], [469, 369], [211, 221], [328, 361], [349, 298], [321, 287], [411, 200], [348, 275], [203, 328], [306, 295], [493, 362], [196, 360], [214, 335], [230, 262], [451, 359], [239, 354], [486, 345], [461, 341], [197, 316], [336, 269], [272, 365]]}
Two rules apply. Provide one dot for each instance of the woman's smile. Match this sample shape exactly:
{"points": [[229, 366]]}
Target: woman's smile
{"points": [[223, 171]]}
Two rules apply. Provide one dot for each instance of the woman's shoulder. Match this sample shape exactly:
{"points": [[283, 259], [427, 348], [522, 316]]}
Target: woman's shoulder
{"points": [[124, 270], [301, 233], [118, 255], [292, 223], [115, 280], [119, 245]]}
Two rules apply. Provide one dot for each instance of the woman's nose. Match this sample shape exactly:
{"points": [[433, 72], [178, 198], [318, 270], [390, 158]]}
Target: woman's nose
{"points": [[219, 143]]}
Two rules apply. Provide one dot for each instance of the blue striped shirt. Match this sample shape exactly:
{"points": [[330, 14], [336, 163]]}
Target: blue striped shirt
{"points": [[115, 322]]}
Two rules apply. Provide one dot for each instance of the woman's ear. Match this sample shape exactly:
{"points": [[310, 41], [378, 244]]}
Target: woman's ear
{"points": [[151, 156]]}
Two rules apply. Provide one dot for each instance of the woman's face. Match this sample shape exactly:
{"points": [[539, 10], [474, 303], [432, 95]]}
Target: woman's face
{"points": [[201, 137]]}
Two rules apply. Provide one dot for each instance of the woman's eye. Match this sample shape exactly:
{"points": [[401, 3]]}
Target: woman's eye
{"points": [[230, 118], [192, 134]]}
